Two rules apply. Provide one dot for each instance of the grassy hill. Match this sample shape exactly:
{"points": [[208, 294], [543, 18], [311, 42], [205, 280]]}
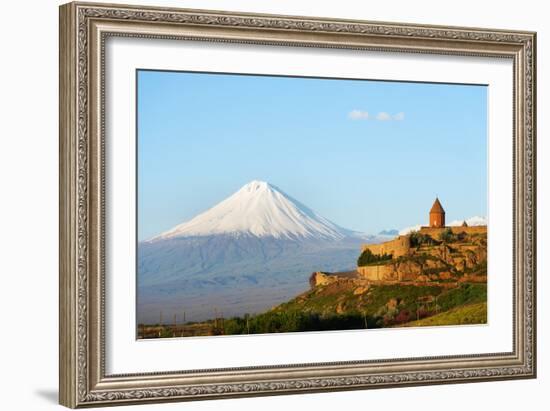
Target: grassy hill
{"points": [[469, 314], [384, 305], [343, 306]]}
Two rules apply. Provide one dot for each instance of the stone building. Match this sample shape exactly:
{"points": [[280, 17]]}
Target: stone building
{"points": [[437, 214]]}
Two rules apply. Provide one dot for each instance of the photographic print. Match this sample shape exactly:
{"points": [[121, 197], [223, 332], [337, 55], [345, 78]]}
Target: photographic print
{"points": [[271, 204]]}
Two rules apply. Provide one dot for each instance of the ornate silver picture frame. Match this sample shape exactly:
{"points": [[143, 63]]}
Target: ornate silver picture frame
{"points": [[84, 30]]}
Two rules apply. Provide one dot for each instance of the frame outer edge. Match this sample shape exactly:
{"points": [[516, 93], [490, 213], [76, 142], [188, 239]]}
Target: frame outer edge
{"points": [[534, 201], [77, 351], [68, 326]]}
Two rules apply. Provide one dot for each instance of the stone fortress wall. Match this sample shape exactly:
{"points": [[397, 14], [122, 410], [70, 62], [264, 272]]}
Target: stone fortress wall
{"points": [[397, 247], [376, 272], [434, 232]]}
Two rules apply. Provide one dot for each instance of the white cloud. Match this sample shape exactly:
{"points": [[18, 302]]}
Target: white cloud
{"points": [[383, 116], [358, 115]]}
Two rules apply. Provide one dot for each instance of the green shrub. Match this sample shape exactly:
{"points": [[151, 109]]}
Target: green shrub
{"points": [[294, 321], [447, 236], [166, 333], [417, 239], [465, 294], [368, 258]]}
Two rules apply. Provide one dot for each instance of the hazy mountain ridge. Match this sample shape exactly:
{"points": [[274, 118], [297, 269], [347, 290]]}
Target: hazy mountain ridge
{"points": [[239, 274], [389, 232]]}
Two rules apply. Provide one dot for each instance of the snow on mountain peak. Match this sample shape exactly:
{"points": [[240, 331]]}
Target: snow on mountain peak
{"points": [[256, 185], [259, 209]]}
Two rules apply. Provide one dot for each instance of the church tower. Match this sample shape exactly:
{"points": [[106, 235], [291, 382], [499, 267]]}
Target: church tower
{"points": [[437, 215]]}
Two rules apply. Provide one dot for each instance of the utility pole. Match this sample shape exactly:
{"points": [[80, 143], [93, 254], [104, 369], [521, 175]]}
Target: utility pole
{"points": [[160, 323]]}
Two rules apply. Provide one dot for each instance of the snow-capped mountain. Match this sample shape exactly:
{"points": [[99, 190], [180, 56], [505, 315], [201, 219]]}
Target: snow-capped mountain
{"points": [[253, 250], [472, 221], [390, 232], [259, 209], [408, 230]]}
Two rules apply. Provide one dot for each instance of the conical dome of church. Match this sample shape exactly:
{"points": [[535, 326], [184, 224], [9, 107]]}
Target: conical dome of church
{"points": [[437, 207], [437, 214]]}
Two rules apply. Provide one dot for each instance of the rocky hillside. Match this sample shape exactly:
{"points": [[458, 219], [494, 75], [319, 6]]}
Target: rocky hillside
{"points": [[385, 305], [449, 257], [438, 275]]}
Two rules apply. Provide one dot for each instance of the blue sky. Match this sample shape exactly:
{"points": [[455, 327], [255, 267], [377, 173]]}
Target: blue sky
{"points": [[368, 155]]}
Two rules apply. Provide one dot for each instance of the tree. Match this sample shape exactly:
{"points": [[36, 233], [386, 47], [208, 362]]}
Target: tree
{"points": [[447, 236], [417, 239], [367, 257]]}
